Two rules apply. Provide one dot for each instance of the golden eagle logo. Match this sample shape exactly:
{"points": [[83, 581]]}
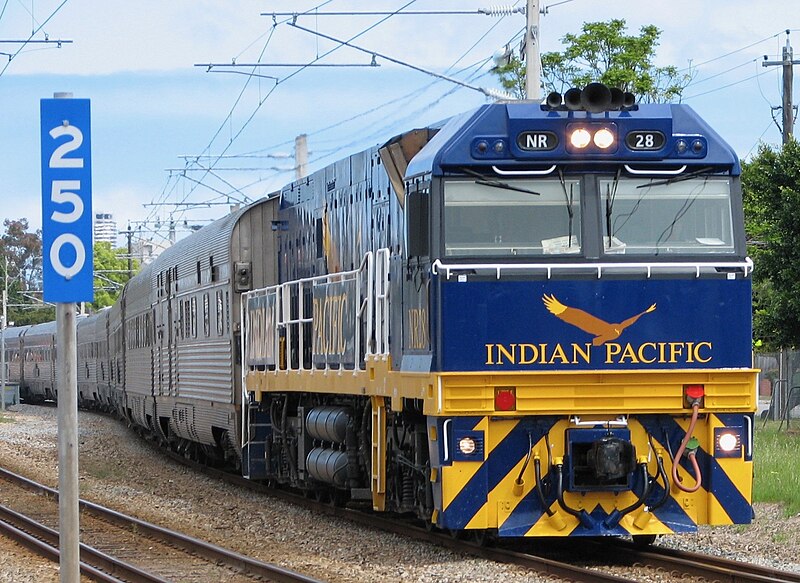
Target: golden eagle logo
{"points": [[601, 330]]}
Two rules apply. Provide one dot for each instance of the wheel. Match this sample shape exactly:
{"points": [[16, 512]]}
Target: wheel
{"points": [[643, 540], [338, 498], [483, 537]]}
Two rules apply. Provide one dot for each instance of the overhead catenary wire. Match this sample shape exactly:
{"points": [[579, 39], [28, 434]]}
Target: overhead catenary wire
{"points": [[383, 130], [733, 52], [495, 11], [396, 61], [33, 33], [739, 82], [721, 73], [262, 101], [758, 141]]}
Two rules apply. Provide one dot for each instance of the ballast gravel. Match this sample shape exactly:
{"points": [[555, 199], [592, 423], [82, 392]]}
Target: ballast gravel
{"points": [[123, 471]]}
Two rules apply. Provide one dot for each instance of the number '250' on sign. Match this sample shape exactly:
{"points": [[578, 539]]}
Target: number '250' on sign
{"points": [[67, 200]]}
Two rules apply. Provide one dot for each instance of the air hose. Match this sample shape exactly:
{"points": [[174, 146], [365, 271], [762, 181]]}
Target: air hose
{"points": [[692, 454]]}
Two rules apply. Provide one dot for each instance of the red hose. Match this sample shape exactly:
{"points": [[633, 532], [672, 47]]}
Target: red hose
{"points": [[692, 457]]}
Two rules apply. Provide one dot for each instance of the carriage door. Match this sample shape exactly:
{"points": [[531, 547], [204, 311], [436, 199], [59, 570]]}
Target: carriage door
{"points": [[172, 320], [161, 364]]}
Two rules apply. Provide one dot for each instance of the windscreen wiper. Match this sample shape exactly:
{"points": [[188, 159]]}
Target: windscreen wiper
{"points": [[484, 181], [680, 178], [568, 198], [611, 196]]}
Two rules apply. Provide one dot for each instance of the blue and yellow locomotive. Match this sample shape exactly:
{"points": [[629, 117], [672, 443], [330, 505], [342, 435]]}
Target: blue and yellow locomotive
{"points": [[529, 320]]}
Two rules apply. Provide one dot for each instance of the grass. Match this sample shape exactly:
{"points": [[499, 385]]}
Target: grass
{"points": [[777, 466], [5, 419], [103, 470]]}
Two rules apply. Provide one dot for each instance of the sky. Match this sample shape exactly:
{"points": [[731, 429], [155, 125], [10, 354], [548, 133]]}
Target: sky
{"points": [[159, 120]]}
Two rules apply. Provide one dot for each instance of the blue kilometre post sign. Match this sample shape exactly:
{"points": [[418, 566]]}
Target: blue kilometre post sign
{"points": [[68, 274], [67, 201]]}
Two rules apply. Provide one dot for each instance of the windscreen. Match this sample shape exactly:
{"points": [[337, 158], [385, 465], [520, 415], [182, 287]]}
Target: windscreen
{"points": [[662, 217], [514, 218]]}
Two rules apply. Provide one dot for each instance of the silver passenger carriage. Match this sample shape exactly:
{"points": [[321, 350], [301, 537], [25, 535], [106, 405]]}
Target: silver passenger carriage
{"points": [[92, 340], [13, 342], [181, 330], [39, 357]]}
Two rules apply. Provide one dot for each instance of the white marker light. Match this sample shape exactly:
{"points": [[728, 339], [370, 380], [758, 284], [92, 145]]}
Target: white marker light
{"points": [[604, 138], [728, 442], [580, 138], [466, 445]]}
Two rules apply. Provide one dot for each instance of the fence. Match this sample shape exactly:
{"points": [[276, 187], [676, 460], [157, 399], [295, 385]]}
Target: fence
{"points": [[779, 381]]}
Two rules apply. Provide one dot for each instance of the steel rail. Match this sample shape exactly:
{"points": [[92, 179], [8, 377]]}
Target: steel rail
{"points": [[211, 552], [44, 541], [654, 557], [711, 567]]}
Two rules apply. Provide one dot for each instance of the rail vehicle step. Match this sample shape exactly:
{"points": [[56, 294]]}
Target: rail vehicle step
{"points": [[254, 452]]}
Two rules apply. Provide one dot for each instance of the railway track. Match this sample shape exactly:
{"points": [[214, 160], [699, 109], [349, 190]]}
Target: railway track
{"points": [[559, 561], [540, 564], [116, 547]]}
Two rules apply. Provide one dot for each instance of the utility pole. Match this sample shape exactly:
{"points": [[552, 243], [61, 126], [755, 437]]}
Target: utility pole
{"points": [[129, 235], [533, 64], [301, 156], [788, 77]]}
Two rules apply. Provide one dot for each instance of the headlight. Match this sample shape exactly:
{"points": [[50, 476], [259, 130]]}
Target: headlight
{"points": [[604, 138], [580, 138]]}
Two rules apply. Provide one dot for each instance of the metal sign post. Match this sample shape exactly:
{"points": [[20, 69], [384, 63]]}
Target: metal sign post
{"points": [[68, 276], [3, 352]]}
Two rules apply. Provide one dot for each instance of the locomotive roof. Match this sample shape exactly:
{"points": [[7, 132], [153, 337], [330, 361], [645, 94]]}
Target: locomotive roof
{"points": [[453, 146], [216, 234], [213, 239]]}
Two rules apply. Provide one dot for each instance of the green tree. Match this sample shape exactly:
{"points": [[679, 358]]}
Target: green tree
{"points": [[22, 249], [110, 274], [771, 190], [604, 53]]}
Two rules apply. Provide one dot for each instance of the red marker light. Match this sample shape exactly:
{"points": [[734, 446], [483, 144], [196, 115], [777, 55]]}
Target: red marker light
{"points": [[694, 391], [505, 399]]}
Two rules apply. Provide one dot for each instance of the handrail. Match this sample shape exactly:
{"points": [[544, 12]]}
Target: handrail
{"points": [[674, 172], [543, 172], [290, 315], [438, 266]]}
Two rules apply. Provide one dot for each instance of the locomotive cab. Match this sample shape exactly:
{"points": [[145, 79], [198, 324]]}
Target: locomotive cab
{"points": [[574, 256]]}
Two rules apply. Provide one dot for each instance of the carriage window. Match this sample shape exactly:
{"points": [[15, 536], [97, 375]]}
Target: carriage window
{"points": [[194, 317], [214, 269], [655, 216], [220, 315], [206, 315], [512, 217]]}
